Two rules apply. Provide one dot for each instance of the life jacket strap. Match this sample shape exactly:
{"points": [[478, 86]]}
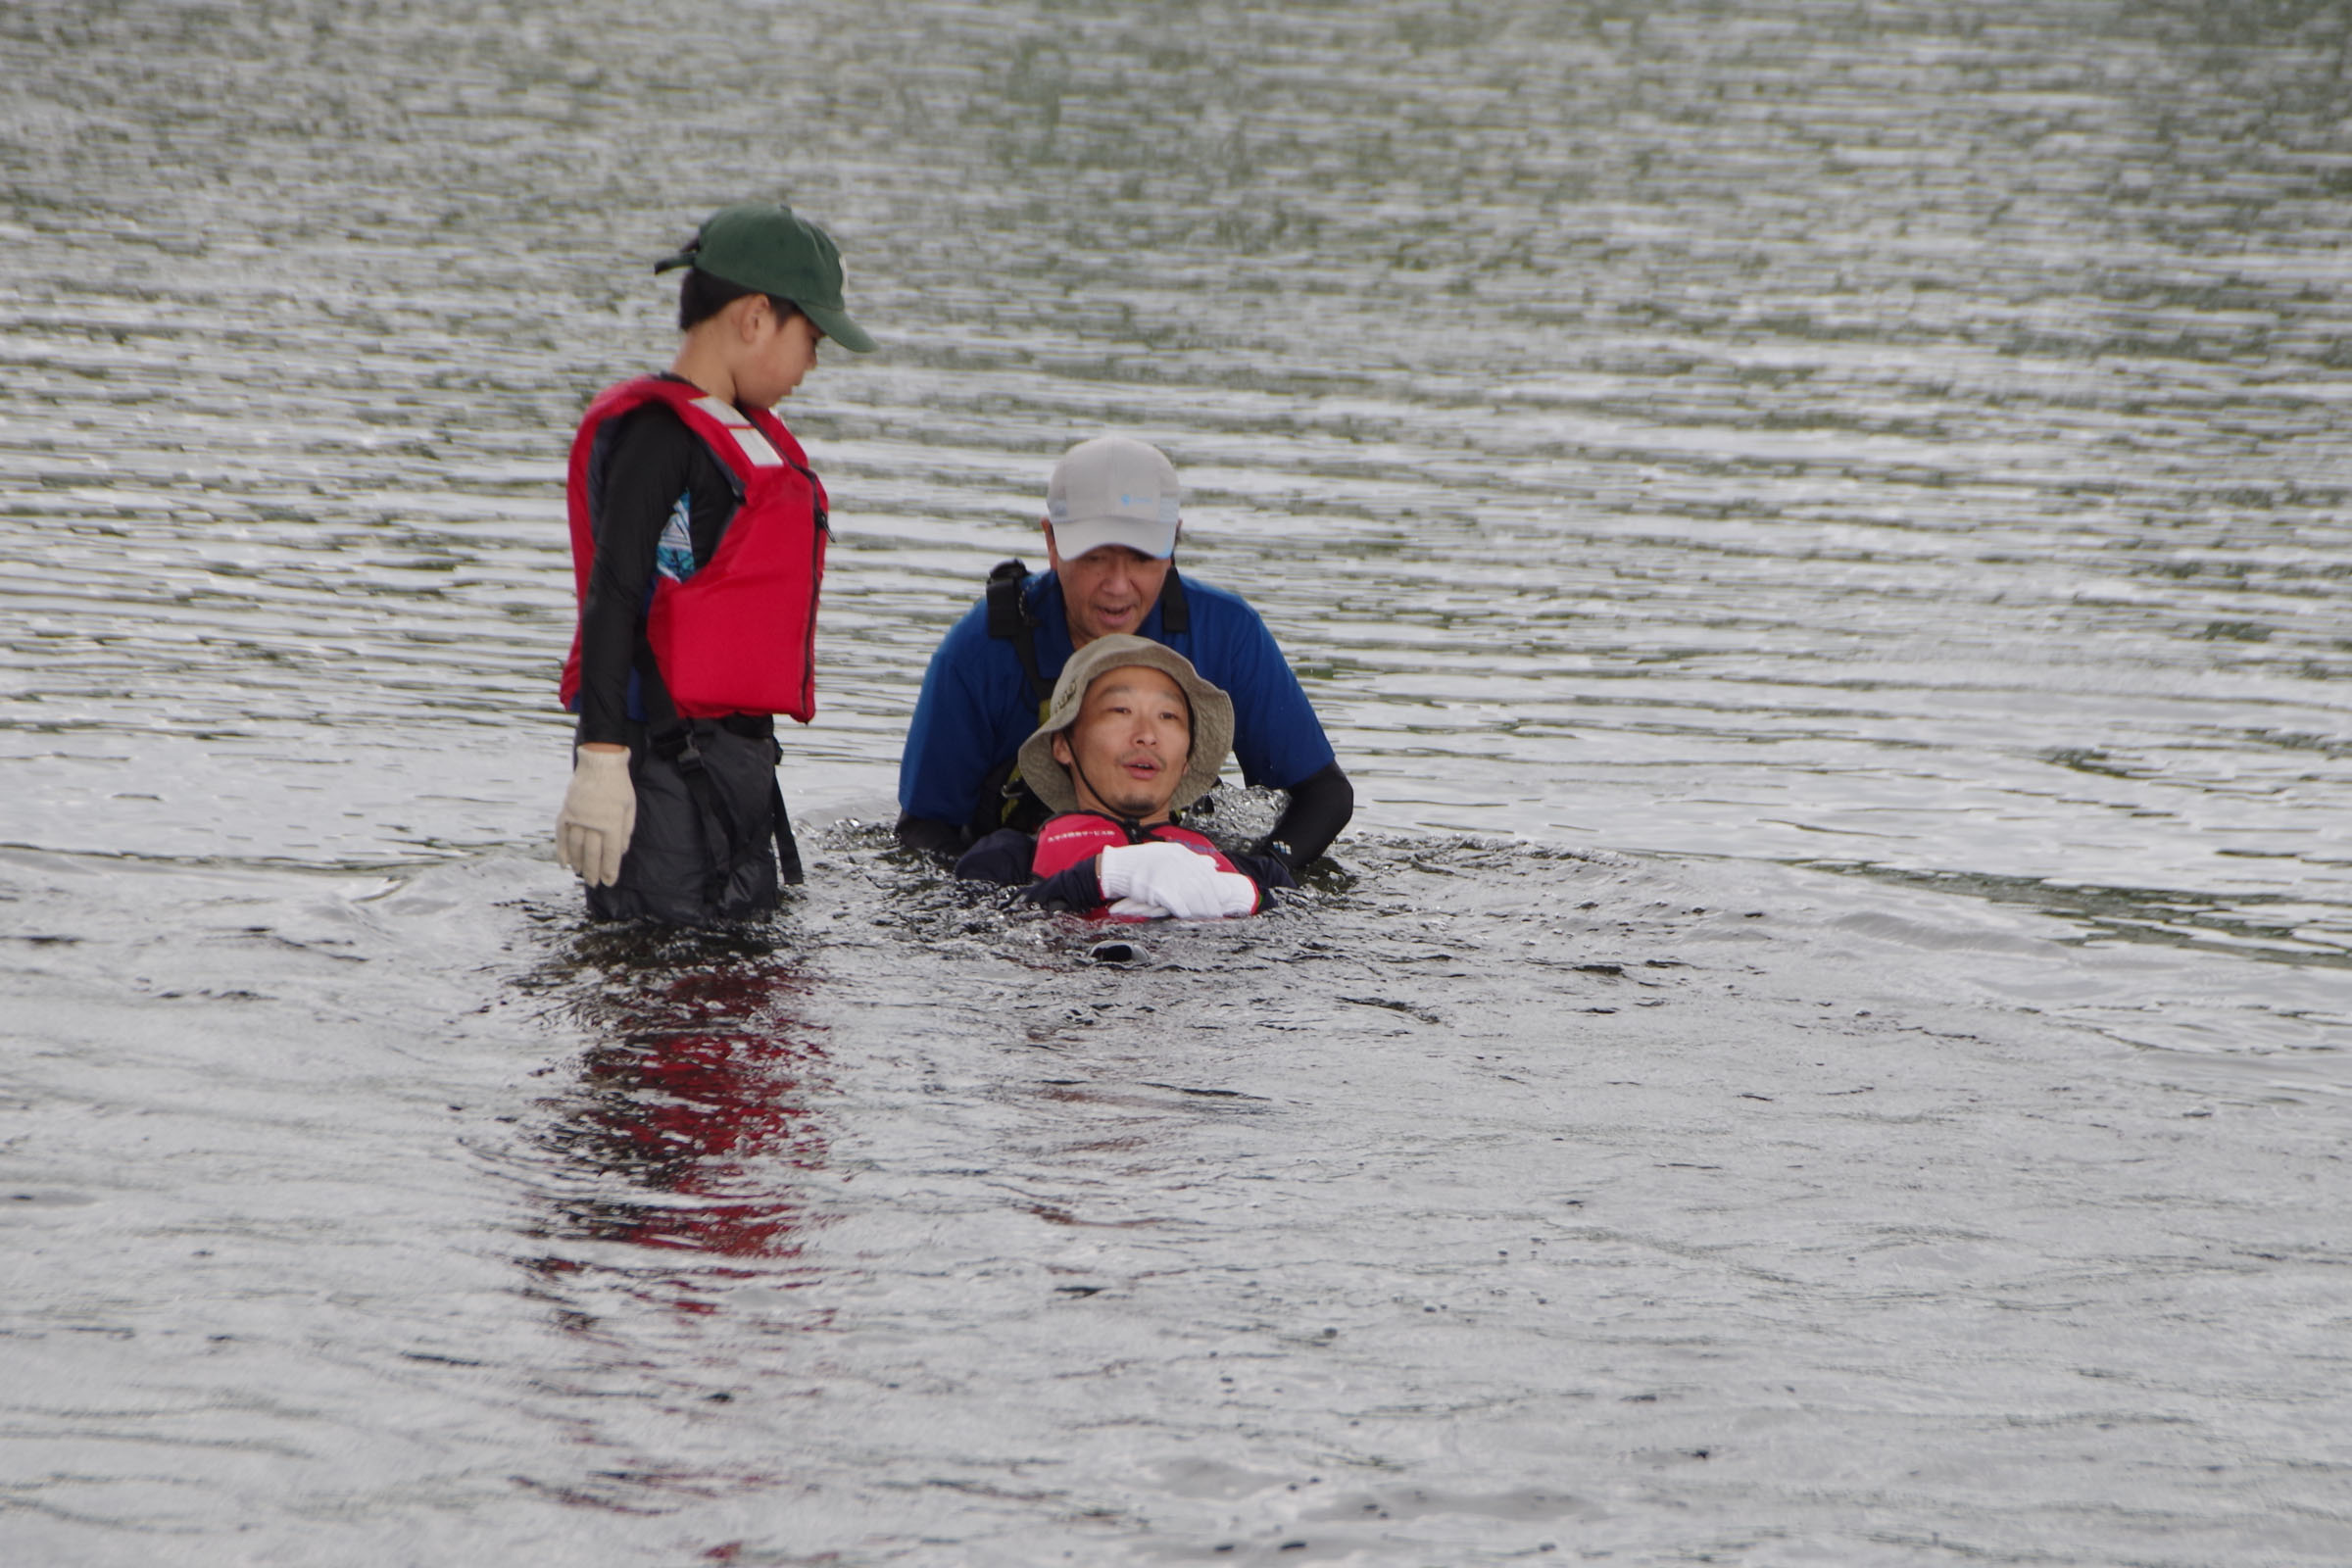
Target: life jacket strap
{"points": [[788, 848], [719, 827], [1175, 616], [1010, 620]]}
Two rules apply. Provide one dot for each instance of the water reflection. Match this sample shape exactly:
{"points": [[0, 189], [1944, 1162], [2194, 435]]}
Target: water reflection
{"points": [[693, 1116]]}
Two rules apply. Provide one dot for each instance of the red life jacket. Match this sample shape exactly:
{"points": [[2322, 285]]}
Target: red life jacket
{"points": [[740, 635], [1077, 836]]}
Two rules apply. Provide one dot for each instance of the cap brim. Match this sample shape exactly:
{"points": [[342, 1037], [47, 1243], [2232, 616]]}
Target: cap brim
{"points": [[1155, 539], [837, 325]]}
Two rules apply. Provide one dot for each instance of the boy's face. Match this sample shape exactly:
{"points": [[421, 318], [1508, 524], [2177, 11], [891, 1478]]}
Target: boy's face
{"points": [[777, 352], [1128, 750]]}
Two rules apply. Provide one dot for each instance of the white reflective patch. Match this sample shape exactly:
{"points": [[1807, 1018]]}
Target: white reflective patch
{"points": [[724, 412], [755, 446]]}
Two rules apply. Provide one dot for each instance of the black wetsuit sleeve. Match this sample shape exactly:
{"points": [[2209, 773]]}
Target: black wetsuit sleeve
{"points": [[653, 461], [934, 837], [1320, 805], [1268, 871], [1003, 857], [1073, 887]]}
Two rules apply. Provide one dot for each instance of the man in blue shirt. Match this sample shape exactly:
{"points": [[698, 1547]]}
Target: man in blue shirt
{"points": [[1110, 540]]}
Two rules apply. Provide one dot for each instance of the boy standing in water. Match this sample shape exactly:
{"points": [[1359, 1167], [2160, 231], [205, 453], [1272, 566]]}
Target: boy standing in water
{"points": [[698, 538]]}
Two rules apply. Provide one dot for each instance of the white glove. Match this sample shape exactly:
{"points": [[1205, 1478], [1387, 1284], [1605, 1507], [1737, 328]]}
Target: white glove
{"points": [[1230, 894], [600, 813], [1182, 881], [1118, 868], [1138, 909]]}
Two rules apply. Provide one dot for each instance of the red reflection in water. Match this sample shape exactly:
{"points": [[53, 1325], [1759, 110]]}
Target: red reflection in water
{"points": [[703, 1097]]}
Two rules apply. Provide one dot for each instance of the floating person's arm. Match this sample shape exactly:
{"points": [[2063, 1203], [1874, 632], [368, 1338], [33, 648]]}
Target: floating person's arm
{"points": [[929, 835], [1074, 887], [1003, 857], [1168, 877], [1266, 871]]}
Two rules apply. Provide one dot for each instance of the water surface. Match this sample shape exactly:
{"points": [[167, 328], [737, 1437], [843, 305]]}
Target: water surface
{"points": [[1818, 530]]}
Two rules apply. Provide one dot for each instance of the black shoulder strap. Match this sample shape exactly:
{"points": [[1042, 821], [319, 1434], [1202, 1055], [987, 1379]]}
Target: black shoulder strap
{"points": [[1009, 618], [1005, 612], [1174, 614]]}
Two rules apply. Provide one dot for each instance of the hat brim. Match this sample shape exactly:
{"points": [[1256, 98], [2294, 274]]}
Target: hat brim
{"points": [[1212, 716], [1045, 775], [834, 323], [837, 325], [1145, 538]]}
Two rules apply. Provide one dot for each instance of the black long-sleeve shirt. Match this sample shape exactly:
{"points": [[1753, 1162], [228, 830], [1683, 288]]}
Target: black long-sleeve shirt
{"points": [[1319, 806], [643, 464]]}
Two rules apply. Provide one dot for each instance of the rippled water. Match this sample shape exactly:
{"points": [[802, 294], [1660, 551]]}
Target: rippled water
{"points": [[1853, 492]]}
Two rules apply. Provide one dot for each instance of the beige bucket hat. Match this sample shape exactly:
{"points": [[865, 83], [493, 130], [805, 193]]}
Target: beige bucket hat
{"points": [[1213, 718]]}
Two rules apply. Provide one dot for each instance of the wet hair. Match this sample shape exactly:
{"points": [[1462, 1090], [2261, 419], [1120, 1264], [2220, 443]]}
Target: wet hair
{"points": [[702, 296]]}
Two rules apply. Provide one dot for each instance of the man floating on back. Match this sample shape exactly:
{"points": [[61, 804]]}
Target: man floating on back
{"points": [[1133, 735]]}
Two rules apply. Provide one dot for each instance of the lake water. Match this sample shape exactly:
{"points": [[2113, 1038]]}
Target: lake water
{"points": [[1820, 531]]}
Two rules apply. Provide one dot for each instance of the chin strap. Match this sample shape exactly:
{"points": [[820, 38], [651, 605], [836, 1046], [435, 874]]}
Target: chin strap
{"points": [[1132, 826]]}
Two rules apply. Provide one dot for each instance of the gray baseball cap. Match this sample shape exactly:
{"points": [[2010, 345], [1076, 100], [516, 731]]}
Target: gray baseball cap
{"points": [[1113, 490]]}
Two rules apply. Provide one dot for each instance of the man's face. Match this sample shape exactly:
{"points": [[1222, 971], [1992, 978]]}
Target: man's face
{"points": [[1107, 590], [1127, 752]]}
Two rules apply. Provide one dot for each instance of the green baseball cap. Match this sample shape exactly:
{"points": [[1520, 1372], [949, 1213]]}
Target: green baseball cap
{"points": [[763, 246]]}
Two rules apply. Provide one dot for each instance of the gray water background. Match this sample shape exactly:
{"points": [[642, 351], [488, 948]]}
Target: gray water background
{"points": [[1852, 491]]}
